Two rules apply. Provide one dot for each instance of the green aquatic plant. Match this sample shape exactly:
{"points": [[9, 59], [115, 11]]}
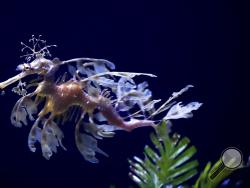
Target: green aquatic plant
{"points": [[169, 163], [213, 175], [210, 177]]}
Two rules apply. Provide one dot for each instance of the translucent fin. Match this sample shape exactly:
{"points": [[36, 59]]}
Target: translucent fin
{"points": [[105, 82], [81, 68], [142, 86], [103, 66], [85, 70], [51, 138], [109, 128], [179, 111], [49, 144], [23, 107], [124, 106], [34, 136], [57, 132], [92, 129], [99, 117], [30, 107], [125, 86], [98, 131], [128, 95], [87, 145], [72, 70], [19, 117]]}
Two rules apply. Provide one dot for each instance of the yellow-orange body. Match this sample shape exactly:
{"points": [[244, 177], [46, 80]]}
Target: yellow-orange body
{"points": [[60, 97]]}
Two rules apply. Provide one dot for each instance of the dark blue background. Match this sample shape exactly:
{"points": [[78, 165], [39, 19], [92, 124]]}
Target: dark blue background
{"points": [[183, 42]]}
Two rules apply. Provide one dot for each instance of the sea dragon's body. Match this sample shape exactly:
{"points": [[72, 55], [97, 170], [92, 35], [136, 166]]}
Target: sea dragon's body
{"points": [[89, 93]]}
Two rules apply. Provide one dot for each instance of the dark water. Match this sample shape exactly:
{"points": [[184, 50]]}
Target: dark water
{"points": [[184, 42]]}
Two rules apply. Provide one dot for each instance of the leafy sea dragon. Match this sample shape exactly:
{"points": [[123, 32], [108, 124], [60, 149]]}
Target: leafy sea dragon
{"points": [[90, 94]]}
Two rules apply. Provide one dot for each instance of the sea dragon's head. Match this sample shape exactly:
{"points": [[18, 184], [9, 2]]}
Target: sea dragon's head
{"points": [[35, 61]]}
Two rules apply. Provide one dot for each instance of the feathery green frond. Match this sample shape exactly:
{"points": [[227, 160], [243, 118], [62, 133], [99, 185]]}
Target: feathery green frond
{"points": [[167, 164]]}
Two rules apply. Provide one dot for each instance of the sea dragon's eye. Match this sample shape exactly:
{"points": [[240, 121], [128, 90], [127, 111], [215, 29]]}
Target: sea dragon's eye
{"points": [[27, 66], [23, 67]]}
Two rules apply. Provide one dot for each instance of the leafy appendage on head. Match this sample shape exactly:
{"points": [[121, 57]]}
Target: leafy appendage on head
{"points": [[38, 48]]}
